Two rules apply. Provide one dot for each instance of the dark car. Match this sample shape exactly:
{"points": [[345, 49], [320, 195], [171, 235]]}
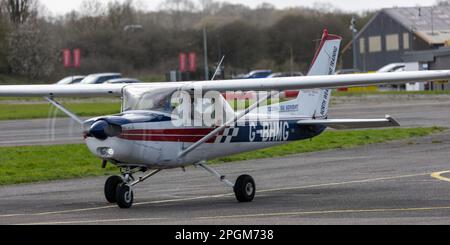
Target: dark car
{"points": [[258, 74]]}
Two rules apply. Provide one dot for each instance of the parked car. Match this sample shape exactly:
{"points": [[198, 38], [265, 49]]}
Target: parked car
{"points": [[123, 80], [70, 80], [347, 71], [100, 78], [394, 67], [286, 74], [289, 93], [258, 74]]}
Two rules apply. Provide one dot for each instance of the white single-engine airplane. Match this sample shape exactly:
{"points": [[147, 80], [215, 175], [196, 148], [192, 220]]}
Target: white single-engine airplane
{"points": [[162, 127]]}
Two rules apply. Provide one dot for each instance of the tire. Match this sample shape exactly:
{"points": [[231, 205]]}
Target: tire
{"points": [[124, 196], [111, 188], [245, 188]]}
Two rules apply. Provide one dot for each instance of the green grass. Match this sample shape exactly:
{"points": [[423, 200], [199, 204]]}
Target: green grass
{"points": [[335, 140], [34, 111], [44, 163]]}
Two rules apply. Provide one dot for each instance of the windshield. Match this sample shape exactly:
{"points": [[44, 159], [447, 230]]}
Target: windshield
{"points": [[194, 109], [149, 98]]}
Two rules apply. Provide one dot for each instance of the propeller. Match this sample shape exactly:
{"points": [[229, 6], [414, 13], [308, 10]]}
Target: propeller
{"points": [[102, 130]]}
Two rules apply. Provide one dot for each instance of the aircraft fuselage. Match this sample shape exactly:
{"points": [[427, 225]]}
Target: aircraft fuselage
{"points": [[152, 141]]}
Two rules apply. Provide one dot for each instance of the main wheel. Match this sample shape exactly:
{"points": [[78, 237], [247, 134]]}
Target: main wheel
{"points": [[124, 196], [245, 188], [111, 188]]}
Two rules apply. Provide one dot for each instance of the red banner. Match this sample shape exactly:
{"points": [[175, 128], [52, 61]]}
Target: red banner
{"points": [[183, 59], [67, 59], [192, 62], [77, 58]]}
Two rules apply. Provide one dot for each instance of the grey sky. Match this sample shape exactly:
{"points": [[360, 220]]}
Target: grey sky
{"points": [[61, 7]]}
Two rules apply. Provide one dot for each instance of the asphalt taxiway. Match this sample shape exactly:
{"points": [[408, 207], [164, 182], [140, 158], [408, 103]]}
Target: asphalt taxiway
{"points": [[403, 182], [400, 182]]}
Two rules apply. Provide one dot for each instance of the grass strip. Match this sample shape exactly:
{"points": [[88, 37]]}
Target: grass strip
{"points": [[27, 164]]}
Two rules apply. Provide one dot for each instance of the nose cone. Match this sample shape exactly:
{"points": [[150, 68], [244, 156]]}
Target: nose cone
{"points": [[97, 130], [102, 130]]}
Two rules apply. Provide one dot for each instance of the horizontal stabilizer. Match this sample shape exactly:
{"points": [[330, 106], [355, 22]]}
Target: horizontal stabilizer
{"points": [[353, 123]]}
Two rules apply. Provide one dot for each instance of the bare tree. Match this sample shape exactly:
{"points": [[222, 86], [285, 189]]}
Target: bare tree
{"points": [[176, 8], [4, 30], [121, 14], [32, 50], [209, 6], [20, 10], [92, 8]]}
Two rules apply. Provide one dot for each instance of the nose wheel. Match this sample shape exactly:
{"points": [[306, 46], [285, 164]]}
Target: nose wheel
{"points": [[111, 188], [120, 189], [124, 196]]}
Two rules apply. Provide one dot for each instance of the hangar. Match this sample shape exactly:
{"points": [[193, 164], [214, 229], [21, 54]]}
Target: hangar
{"points": [[401, 35]]}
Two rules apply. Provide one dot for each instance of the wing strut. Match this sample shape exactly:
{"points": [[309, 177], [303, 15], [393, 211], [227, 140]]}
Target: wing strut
{"points": [[227, 124], [63, 109]]}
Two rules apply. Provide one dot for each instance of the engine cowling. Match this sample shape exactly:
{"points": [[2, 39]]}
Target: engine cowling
{"points": [[102, 130]]}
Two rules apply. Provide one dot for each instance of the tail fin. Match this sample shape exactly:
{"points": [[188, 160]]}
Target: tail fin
{"points": [[314, 103]]}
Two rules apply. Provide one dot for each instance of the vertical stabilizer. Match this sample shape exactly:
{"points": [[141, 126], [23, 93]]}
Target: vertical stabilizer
{"points": [[314, 103]]}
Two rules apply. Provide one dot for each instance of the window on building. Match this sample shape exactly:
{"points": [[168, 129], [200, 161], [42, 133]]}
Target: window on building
{"points": [[405, 40], [375, 44], [362, 46], [392, 42]]}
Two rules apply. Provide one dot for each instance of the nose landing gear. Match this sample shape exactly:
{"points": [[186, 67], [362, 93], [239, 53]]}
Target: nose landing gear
{"points": [[124, 196], [111, 185], [120, 189]]}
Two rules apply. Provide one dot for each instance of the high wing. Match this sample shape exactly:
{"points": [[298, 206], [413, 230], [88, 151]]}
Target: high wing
{"points": [[353, 123], [92, 90], [324, 81], [279, 84]]}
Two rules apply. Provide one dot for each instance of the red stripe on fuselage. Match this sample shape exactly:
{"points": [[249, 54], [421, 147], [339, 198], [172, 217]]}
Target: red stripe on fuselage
{"points": [[166, 138], [187, 131], [188, 135]]}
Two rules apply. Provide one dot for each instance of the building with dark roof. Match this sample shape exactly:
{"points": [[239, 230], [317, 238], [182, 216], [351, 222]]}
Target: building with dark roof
{"points": [[395, 34]]}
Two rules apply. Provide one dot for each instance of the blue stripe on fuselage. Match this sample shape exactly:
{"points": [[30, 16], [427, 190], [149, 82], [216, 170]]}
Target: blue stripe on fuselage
{"points": [[276, 131]]}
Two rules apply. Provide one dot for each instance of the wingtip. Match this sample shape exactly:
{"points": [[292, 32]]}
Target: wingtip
{"points": [[392, 120]]}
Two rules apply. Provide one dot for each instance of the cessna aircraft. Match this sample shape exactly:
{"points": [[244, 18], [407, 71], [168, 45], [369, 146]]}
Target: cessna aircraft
{"points": [[162, 126]]}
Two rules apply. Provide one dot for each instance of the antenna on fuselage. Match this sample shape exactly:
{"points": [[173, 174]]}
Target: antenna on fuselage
{"points": [[218, 68]]}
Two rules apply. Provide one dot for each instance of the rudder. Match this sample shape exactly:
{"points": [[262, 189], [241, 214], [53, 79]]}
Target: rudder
{"points": [[314, 103]]}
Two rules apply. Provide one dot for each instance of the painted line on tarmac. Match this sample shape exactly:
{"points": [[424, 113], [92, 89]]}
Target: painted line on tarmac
{"points": [[218, 196], [113, 206], [438, 175], [240, 216], [344, 211], [344, 183], [80, 222]]}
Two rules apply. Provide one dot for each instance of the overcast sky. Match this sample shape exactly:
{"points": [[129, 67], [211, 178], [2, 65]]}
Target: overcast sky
{"points": [[61, 7]]}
